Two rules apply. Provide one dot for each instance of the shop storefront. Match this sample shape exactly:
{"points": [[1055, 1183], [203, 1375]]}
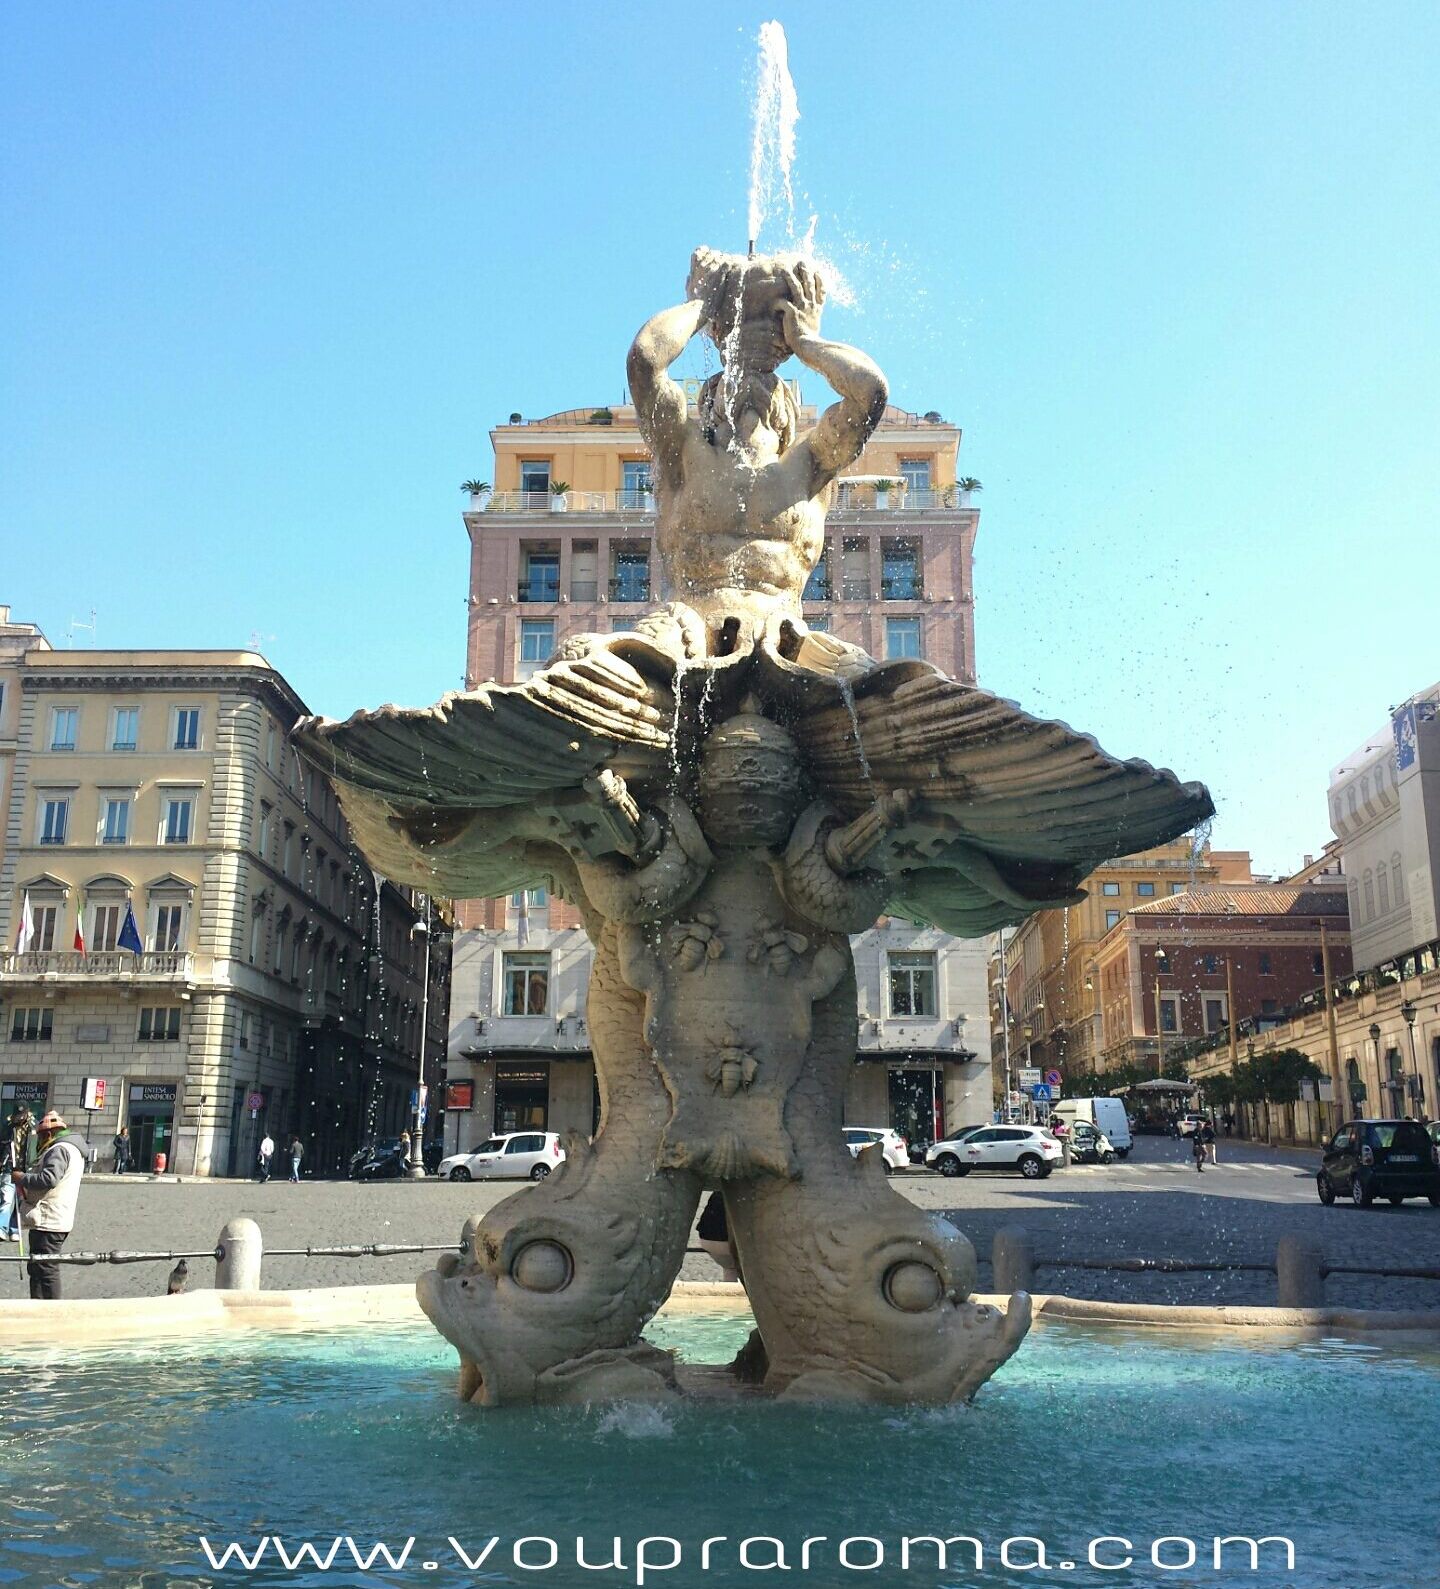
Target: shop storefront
{"points": [[151, 1118], [522, 1095], [35, 1095]]}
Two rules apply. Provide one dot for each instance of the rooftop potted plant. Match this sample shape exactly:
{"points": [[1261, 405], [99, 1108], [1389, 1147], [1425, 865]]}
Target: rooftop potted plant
{"points": [[883, 488], [965, 485], [602, 416], [559, 501], [476, 488]]}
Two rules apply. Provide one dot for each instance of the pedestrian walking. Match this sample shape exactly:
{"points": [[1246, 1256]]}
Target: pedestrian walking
{"points": [[1197, 1150], [264, 1156], [49, 1191], [1207, 1137], [297, 1152], [1229, 1123], [121, 1145]]}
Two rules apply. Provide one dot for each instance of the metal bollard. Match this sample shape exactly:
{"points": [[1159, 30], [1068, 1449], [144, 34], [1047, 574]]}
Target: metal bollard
{"points": [[1012, 1259], [240, 1248], [1299, 1271]]}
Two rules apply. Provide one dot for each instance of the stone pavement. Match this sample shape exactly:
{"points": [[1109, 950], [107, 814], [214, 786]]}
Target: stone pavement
{"points": [[1155, 1205]]}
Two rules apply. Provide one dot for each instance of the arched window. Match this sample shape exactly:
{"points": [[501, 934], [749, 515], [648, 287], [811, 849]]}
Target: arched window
{"points": [[1382, 886], [1369, 895], [1398, 878]]}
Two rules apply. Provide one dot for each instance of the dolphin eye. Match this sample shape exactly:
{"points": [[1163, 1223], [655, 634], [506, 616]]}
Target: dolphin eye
{"points": [[543, 1266]]}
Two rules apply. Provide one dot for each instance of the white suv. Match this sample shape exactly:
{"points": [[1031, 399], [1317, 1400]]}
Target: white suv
{"points": [[894, 1150], [517, 1156], [1029, 1149]]}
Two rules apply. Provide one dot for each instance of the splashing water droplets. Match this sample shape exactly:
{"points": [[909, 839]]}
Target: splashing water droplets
{"points": [[772, 143]]}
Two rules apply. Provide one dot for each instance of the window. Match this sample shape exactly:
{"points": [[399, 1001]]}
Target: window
{"points": [[1265, 970], [187, 728], [45, 918], [64, 726], [819, 625], [631, 578], [270, 746], [115, 820], [262, 841], [1369, 895], [899, 571], [535, 475], [125, 728], [538, 896], [817, 587], [1177, 888], [168, 926], [1112, 919], [1169, 1014], [622, 625], [1399, 878], [902, 638], [279, 959], [1110, 890], [244, 1039], [540, 579], [855, 569], [912, 984], [1214, 1013], [1210, 965], [636, 482], [257, 932], [160, 1023], [915, 472], [105, 927], [32, 1026], [179, 812], [1382, 887], [1145, 890], [54, 819], [526, 984], [1269, 1006], [537, 639], [288, 857]]}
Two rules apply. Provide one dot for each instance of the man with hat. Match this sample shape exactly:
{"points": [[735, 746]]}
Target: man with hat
{"points": [[49, 1191]]}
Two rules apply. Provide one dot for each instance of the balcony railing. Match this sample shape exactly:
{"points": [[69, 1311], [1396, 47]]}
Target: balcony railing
{"points": [[574, 502], [632, 589], [900, 587], [865, 499], [159, 965], [538, 590]]}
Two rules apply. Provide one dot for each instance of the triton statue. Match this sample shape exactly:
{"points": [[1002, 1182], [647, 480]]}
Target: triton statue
{"points": [[726, 797]]}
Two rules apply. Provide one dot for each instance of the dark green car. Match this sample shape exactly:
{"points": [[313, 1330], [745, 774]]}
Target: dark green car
{"points": [[1393, 1159]]}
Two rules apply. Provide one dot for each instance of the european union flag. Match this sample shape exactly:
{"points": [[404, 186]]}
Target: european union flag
{"points": [[129, 933]]}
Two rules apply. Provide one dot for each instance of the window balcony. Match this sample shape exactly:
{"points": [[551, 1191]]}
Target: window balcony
{"points": [[574, 502], [73, 967], [537, 590], [862, 497]]}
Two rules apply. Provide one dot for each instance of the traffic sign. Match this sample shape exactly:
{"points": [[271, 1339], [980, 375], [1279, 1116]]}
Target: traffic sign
{"points": [[1052, 1078], [1040, 1092], [1029, 1075], [255, 1102]]}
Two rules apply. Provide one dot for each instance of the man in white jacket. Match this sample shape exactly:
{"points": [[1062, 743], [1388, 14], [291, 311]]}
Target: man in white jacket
{"points": [[49, 1191]]}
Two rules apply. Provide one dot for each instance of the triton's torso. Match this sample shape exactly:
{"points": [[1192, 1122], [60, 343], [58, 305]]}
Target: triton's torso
{"points": [[723, 524]]}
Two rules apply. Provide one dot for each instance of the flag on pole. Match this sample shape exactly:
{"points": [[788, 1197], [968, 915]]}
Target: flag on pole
{"points": [[79, 932], [130, 933], [26, 934]]}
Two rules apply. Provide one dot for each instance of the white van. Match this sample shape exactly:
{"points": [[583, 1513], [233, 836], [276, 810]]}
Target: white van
{"points": [[1105, 1114]]}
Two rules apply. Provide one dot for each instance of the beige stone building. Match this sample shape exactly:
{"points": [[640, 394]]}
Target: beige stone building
{"points": [[186, 919], [1055, 1018], [545, 564]]}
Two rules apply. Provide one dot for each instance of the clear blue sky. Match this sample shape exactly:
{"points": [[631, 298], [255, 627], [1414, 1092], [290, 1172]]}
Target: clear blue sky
{"points": [[270, 273]]}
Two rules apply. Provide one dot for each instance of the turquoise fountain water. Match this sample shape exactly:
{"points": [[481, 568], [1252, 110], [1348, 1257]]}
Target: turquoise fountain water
{"points": [[118, 1462]]}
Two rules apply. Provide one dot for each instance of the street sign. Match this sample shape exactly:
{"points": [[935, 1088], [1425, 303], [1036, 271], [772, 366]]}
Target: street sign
{"points": [[92, 1093], [1052, 1078], [255, 1102], [1040, 1092], [1028, 1076]]}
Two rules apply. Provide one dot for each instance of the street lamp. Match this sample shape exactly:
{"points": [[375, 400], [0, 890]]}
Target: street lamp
{"points": [[1162, 965], [416, 1167], [1407, 1010], [1375, 1039]]}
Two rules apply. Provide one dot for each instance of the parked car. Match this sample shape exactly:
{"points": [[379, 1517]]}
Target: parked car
{"points": [[1393, 1159], [944, 1157], [380, 1160], [514, 1156], [1089, 1146], [1029, 1149], [1186, 1124], [894, 1150]]}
